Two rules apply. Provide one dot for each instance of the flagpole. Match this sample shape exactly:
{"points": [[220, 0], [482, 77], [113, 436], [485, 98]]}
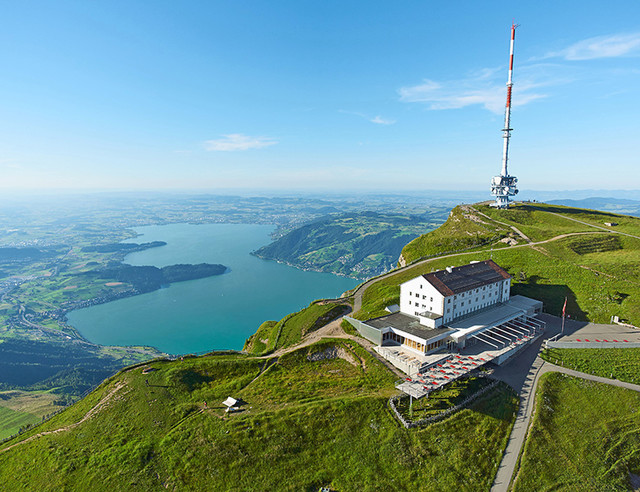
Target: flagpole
{"points": [[564, 310]]}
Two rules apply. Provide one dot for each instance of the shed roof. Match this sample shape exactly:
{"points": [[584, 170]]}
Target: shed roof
{"points": [[230, 401]]}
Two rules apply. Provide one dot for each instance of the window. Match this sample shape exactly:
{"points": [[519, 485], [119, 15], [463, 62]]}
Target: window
{"points": [[423, 306], [417, 304], [455, 297], [462, 303], [448, 310], [476, 299], [418, 295], [449, 300], [432, 299], [424, 297]]}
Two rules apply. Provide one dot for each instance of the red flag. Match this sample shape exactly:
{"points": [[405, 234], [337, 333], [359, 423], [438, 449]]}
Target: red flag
{"points": [[564, 308]]}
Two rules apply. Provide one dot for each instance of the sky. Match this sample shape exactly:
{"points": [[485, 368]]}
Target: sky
{"points": [[317, 95]]}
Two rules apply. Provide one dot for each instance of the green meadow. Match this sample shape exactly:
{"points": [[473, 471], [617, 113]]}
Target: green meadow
{"points": [[584, 436], [314, 417], [596, 271], [613, 363]]}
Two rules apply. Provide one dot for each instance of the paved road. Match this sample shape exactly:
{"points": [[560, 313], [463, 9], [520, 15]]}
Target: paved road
{"points": [[522, 374], [597, 227], [358, 293]]}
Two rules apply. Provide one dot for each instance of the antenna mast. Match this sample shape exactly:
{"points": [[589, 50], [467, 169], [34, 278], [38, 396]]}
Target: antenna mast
{"points": [[504, 186]]}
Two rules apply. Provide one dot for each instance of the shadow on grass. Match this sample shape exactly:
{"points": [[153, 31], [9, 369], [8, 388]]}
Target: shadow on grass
{"points": [[500, 403], [552, 297]]}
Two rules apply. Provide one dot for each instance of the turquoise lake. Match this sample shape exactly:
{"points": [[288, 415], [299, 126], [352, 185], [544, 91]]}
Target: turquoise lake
{"points": [[213, 313]]}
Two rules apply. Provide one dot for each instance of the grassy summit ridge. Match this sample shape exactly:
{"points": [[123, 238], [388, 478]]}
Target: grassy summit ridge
{"points": [[315, 417], [272, 335], [596, 270], [462, 230]]}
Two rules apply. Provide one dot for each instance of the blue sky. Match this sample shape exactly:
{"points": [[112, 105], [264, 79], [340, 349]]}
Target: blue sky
{"points": [[330, 95]]}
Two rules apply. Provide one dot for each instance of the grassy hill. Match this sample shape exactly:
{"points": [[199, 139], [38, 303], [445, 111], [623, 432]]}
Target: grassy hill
{"points": [[273, 335], [592, 265], [315, 417], [463, 230], [585, 436], [318, 416], [359, 245]]}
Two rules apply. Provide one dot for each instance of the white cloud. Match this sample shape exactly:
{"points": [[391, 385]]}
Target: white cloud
{"points": [[379, 120], [610, 46], [238, 141], [480, 88]]}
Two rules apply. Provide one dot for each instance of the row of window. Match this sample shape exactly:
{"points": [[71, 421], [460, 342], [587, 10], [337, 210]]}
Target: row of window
{"points": [[424, 306], [414, 345], [392, 336], [434, 345], [418, 296], [471, 292]]}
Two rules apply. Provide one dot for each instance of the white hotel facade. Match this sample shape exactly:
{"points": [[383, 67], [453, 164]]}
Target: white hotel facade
{"points": [[455, 308], [440, 297]]}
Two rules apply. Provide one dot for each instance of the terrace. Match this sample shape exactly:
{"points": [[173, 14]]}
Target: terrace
{"points": [[496, 345]]}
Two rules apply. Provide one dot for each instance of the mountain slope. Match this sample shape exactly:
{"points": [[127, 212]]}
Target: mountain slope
{"points": [[314, 417], [556, 253], [358, 245]]}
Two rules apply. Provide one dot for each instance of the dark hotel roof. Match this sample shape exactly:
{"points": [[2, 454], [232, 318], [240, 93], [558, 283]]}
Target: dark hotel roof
{"points": [[466, 277]]}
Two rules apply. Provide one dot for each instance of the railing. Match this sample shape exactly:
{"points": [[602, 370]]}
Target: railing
{"points": [[445, 413]]}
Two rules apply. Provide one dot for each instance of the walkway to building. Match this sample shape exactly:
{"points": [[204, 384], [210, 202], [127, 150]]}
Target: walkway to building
{"points": [[522, 374]]}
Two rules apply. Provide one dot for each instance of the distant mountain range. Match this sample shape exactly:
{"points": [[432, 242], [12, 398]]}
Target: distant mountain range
{"points": [[617, 205]]}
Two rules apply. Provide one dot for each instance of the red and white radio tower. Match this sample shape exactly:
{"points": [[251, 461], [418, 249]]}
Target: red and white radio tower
{"points": [[504, 186]]}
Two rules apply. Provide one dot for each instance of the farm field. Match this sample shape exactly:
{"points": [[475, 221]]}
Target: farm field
{"points": [[21, 408]]}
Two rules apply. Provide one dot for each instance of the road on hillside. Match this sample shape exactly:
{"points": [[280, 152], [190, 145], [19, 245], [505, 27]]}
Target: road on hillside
{"points": [[357, 295], [597, 227], [357, 305]]}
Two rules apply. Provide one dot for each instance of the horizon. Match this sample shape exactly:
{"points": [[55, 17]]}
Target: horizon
{"points": [[310, 98]]}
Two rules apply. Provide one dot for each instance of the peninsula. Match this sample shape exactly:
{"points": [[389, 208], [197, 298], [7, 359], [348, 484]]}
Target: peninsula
{"points": [[315, 406]]}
